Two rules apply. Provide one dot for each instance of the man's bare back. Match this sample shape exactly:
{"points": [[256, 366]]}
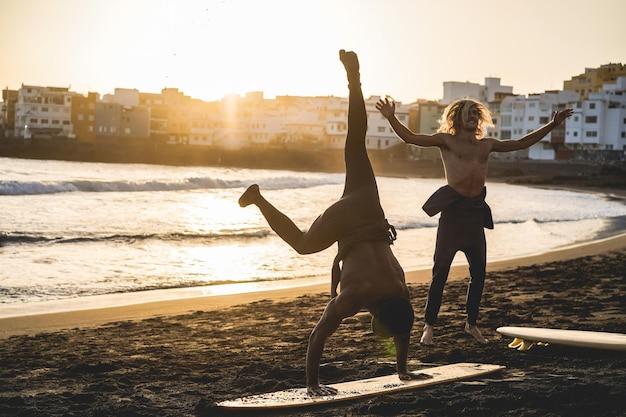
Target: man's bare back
{"points": [[370, 272]]}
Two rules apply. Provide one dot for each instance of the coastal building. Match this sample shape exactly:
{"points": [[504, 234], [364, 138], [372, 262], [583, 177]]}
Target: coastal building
{"points": [[9, 102], [116, 117], [593, 79], [597, 130], [205, 124], [379, 134], [84, 117], [116, 122], [43, 111], [453, 90], [520, 115], [333, 111]]}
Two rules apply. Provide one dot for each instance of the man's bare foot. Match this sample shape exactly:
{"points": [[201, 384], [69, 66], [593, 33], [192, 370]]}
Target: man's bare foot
{"points": [[350, 60], [473, 330], [351, 64], [427, 335], [249, 196]]}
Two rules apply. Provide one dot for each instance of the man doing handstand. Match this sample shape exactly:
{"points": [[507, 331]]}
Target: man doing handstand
{"points": [[370, 275]]}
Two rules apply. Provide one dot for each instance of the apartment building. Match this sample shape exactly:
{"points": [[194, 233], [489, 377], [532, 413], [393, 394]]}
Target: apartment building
{"points": [[485, 93], [520, 115], [9, 102], [593, 79], [205, 124], [379, 134], [83, 109], [43, 111], [597, 129]]}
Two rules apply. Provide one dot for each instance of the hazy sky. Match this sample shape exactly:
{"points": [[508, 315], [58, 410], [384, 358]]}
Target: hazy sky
{"points": [[210, 48]]}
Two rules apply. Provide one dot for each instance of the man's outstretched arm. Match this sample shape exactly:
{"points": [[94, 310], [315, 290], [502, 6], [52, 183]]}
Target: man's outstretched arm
{"points": [[533, 137], [388, 109]]}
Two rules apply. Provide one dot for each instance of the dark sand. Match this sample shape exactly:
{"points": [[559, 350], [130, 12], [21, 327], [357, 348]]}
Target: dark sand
{"points": [[180, 365]]}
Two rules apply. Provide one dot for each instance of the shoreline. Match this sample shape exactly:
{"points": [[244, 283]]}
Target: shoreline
{"points": [[214, 299]]}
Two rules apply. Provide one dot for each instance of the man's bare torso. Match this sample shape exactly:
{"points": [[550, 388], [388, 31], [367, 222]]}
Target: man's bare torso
{"points": [[465, 161]]}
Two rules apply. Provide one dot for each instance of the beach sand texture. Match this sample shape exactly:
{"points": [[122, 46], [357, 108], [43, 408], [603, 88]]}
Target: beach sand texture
{"points": [[177, 358]]}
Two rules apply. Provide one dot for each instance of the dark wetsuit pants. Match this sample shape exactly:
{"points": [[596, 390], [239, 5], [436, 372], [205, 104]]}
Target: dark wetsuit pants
{"points": [[358, 206], [460, 229]]}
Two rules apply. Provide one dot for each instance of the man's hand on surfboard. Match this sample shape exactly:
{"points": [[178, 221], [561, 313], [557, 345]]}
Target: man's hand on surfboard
{"points": [[321, 391], [409, 376]]}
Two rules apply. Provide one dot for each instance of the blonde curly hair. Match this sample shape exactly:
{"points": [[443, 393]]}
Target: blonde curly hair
{"points": [[456, 114]]}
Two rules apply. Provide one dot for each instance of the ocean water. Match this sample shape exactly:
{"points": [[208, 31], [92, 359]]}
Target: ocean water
{"points": [[84, 231]]}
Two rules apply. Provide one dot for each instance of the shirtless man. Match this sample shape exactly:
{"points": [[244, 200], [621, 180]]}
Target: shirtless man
{"points": [[371, 276], [464, 213]]}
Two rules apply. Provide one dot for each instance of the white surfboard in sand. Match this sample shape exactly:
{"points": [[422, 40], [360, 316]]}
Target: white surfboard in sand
{"points": [[527, 337], [298, 397]]}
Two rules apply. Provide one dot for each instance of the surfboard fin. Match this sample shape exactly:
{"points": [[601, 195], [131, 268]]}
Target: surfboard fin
{"points": [[521, 344]]}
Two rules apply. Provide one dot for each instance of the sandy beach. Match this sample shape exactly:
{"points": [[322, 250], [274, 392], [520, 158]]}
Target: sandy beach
{"points": [[179, 357]]}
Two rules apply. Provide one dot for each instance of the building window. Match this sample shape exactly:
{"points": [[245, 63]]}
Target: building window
{"points": [[591, 134], [591, 119], [80, 117], [381, 129], [592, 105]]}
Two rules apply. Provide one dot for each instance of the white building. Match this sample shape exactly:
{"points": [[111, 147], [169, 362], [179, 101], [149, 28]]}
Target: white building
{"points": [[43, 111], [453, 90], [520, 115], [380, 135], [599, 123]]}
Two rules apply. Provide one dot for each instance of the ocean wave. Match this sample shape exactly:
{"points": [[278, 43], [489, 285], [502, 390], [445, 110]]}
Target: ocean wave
{"points": [[17, 238], [433, 222], [193, 183]]}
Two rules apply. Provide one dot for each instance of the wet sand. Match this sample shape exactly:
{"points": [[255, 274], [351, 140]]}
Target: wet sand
{"points": [[177, 358]]}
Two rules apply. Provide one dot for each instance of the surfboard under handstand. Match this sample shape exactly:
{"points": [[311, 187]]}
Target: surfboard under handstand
{"points": [[527, 337], [352, 390]]}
